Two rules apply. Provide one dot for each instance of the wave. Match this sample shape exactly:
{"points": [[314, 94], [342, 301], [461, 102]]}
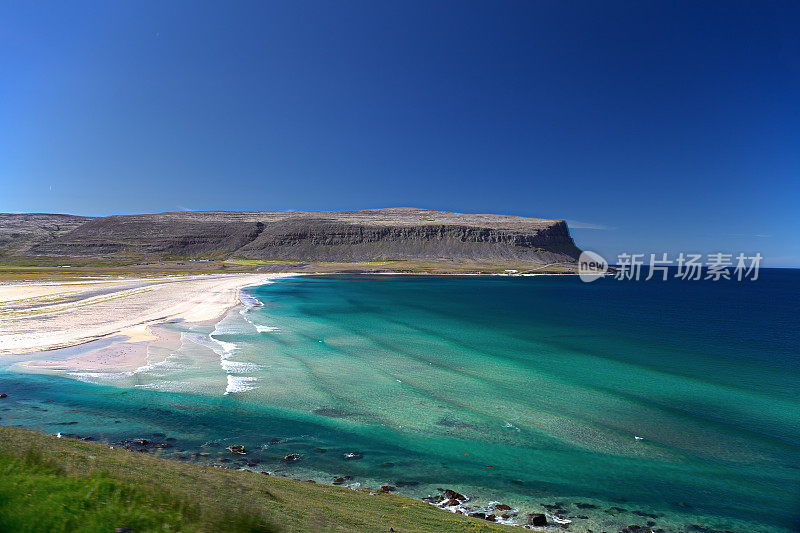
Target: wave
{"points": [[239, 384], [248, 301], [238, 367], [266, 329]]}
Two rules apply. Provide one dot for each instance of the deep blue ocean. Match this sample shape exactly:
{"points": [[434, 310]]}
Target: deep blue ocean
{"points": [[672, 405]]}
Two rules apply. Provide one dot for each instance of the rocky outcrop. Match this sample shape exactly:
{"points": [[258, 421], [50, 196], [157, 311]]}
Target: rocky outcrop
{"points": [[345, 236]]}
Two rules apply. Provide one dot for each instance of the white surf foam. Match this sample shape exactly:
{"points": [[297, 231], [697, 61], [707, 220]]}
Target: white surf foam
{"points": [[238, 367], [239, 384], [248, 301]]}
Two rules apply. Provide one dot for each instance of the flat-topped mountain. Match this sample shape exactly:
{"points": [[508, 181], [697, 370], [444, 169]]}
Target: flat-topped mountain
{"points": [[342, 236]]}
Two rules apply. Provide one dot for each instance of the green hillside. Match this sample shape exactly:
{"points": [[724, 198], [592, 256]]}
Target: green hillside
{"points": [[50, 484]]}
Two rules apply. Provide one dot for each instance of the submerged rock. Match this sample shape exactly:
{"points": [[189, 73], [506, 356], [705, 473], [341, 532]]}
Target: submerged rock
{"points": [[236, 448], [388, 488], [451, 494], [3, 395], [290, 458]]}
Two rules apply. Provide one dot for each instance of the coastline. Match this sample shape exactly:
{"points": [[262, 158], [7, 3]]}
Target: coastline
{"points": [[601, 514], [77, 313], [46, 316]]}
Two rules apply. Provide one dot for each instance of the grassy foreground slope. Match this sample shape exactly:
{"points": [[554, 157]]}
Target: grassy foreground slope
{"points": [[50, 484]]}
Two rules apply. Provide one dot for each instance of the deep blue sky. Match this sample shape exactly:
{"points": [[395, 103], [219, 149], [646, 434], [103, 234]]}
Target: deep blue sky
{"points": [[665, 126]]}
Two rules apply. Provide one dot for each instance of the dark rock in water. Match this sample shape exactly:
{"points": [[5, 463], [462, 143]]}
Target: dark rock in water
{"points": [[388, 488], [3, 395], [505, 516], [65, 423], [451, 494], [477, 515], [338, 481], [275, 440], [517, 482], [536, 519], [582, 517], [490, 517], [265, 473], [310, 481], [236, 448], [585, 506], [353, 455], [290, 458], [502, 507], [452, 502]]}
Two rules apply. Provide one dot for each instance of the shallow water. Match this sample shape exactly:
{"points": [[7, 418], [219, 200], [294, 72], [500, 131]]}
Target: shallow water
{"points": [[528, 391]]}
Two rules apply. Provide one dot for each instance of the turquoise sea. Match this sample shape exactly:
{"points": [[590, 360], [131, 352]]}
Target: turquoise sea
{"points": [[529, 391]]}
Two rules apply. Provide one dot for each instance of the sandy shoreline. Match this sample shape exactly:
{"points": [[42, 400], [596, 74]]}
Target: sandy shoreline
{"points": [[39, 317]]}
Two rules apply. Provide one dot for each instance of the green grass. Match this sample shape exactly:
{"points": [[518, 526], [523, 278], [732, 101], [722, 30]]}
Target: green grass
{"points": [[65, 485], [38, 495]]}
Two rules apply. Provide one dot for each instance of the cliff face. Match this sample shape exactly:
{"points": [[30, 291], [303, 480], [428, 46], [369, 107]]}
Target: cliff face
{"points": [[20, 232], [319, 236]]}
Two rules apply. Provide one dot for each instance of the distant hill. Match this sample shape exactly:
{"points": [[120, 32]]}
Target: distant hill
{"points": [[342, 236]]}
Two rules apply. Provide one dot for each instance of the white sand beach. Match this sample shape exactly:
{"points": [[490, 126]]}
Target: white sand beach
{"points": [[43, 316]]}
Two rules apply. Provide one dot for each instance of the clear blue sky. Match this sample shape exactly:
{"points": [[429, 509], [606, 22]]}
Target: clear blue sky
{"points": [[650, 126]]}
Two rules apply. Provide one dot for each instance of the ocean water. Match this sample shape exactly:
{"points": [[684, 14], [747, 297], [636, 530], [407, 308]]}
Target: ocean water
{"points": [[671, 405]]}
